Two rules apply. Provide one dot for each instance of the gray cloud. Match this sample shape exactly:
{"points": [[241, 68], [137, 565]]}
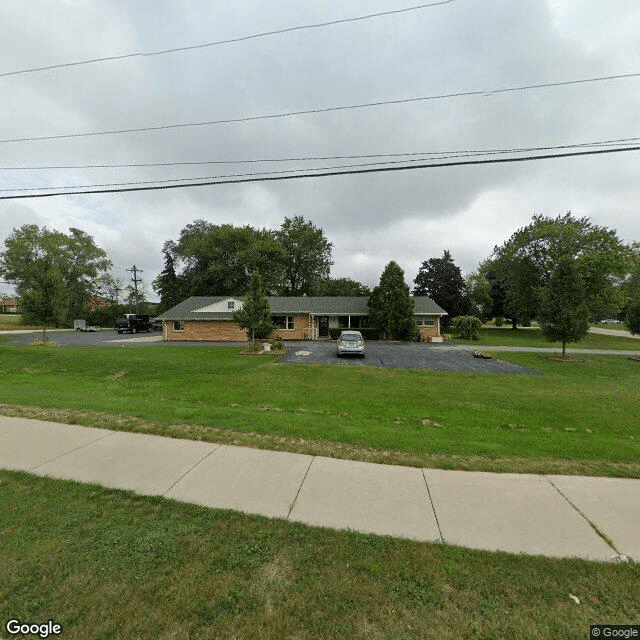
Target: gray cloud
{"points": [[408, 216]]}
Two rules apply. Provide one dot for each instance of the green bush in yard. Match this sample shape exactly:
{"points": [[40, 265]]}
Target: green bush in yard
{"points": [[276, 344], [467, 327]]}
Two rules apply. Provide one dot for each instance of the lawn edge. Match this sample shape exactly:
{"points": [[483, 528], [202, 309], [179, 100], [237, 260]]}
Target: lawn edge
{"points": [[291, 444]]}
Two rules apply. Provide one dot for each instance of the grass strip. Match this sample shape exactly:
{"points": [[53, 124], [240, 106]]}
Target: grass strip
{"points": [[513, 464], [112, 564], [578, 417], [532, 337]]}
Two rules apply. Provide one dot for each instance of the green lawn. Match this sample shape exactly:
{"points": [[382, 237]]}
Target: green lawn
{"points": [[578, 417], [112, 564], [13, 321], [618, 326], [532, 337]]}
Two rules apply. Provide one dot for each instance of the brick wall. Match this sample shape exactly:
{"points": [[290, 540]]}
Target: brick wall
{"points": [[228, 331], [211, 330], [301, 324], [426, 333]]}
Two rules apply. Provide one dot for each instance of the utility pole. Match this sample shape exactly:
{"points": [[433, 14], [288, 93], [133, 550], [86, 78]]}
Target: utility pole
{"points": [[135, 279]]}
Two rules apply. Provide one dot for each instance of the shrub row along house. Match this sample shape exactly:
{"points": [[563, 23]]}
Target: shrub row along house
{"points": [[296, 318]]}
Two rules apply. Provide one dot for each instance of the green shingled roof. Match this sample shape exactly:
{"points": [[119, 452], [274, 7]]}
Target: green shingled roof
{"points": [[317, 305]]}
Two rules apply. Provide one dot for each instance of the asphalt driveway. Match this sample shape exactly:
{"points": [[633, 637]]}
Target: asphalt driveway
{"points": [[71, 338], [395, 355], [401, 355]]}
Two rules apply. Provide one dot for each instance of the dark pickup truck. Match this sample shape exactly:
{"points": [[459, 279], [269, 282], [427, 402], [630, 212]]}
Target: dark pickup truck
{"points": [[133, 323]]}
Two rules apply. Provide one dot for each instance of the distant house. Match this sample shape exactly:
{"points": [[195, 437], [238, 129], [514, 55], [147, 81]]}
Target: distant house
{"points": [[9, 305], [99, 302], [296, 318]]}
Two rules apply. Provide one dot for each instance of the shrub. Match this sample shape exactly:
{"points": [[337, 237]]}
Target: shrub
{"points": [[467, 327], [334, 333], [276, 344]]}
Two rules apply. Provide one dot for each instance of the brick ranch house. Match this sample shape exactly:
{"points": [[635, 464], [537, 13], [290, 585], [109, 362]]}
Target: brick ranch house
{"points": [[9, 305], [297, 318]]}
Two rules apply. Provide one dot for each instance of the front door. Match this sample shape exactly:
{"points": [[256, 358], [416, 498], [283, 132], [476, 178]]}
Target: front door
{"points": [[323, 326]]}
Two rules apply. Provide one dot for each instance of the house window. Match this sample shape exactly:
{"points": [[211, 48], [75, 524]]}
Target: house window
{"points": [[284, 322], [231, 304], [343, 322], [178, 325], [425, 322]]}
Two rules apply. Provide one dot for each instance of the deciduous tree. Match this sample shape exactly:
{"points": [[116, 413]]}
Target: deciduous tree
{"points": [[524, 264], [55, 274], [478, 290], [344, 287], [214, 260], [306, 257], [632, 310]]}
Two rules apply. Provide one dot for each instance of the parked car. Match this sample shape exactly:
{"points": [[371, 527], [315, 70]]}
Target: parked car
{"points": [[158, 324], [351, 343], [133, 323]]}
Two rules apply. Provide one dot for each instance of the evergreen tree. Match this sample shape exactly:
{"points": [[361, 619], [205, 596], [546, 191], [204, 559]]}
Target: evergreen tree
{"points": [[255, 315], [167, 283], [442, 281], [564, 314], [391, 304]]}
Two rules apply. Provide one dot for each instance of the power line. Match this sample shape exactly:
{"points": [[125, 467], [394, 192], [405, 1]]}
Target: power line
{"points": [[264, 34], [289, 171], [288, 114], [451, 153], [326, 174]]}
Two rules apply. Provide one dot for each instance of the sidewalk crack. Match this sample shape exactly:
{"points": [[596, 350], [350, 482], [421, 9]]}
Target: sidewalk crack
{"points": [[86, 444], [433, 506], [192, 468], [601, 534], [300, 487]]}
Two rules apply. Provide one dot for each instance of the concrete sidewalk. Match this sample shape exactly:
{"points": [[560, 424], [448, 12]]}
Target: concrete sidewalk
{"points": [[550, 515]]}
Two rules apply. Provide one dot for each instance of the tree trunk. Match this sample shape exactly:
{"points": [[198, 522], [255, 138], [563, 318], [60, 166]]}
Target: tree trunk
{"points": [[564, 348]]}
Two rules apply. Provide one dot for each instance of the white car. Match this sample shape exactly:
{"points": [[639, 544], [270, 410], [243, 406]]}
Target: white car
{"points": [[351, 342]]}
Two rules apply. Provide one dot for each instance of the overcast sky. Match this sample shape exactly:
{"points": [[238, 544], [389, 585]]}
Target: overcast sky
{"points": [[410, 216]]}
